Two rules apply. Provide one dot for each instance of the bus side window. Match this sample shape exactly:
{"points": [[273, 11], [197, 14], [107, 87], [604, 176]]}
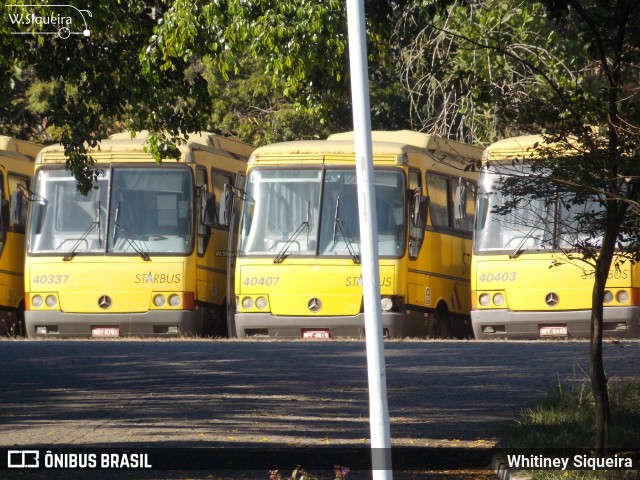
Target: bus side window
{"points": [[438, 188], [4, 213], [19, 224], [463, 201], [219, 180], [203, 230], [416, 233]]}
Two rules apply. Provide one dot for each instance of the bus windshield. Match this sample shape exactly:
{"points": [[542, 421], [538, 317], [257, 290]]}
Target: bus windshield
{"points": [[537, 224], [315, 212], [133, 210]]}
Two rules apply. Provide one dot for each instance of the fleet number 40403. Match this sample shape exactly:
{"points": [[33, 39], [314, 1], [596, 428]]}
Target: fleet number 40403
{"points": [[498, 277]]}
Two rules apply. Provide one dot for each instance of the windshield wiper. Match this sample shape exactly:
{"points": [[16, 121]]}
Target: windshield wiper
{"points": [[83, 238], [306, 224], [518, 250], [337, 221], [125, 233]]}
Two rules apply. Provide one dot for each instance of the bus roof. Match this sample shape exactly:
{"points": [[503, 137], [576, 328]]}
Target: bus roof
{"points": [[195, 140], [395, 144], [417, 139], [526, 146], [10, 144], [123, 143]]}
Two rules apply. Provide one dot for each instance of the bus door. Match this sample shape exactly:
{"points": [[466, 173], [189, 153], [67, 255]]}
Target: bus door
{"points": [[230, 207], [418, 291]]}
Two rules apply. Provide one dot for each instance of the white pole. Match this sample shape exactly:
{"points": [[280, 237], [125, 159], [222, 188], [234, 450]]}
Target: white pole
{"points": [[378, 409]]}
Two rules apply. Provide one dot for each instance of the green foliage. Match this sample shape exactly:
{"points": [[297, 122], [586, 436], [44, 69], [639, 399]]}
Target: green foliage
{"points": [[261, 71], [303, 41], [476, 67], [298, 48], [251, 107], [564, 419]]}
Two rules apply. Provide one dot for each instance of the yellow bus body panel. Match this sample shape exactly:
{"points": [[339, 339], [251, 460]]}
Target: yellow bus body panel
{"points": [[528, 279], [129, 281], [16, 161], [11, 270], [290, 286]]}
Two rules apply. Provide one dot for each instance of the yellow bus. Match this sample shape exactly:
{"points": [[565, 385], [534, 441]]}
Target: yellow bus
{"points": [[138, 254], [298, 271], [523, 285], [16, 170]]}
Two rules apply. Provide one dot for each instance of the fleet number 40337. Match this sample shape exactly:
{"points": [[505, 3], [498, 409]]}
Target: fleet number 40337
{"points": [[50, 279]]}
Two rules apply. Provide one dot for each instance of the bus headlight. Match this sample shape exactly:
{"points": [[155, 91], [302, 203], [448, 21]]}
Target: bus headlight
{"points": [[484, 300], [608, 297], [622, 296], [261, 303], [174, 300], [386, 303], [37, 301], [159, 300], [498, 299], [51, 301], [247, 303]]}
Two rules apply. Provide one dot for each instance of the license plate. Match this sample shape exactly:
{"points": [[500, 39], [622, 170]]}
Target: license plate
{"points": [[315, 334], [554, 331], [105, 331]]}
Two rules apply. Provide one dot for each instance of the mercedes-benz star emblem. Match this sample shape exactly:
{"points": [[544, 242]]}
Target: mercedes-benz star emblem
{"points": [[315, 304], [551, 299], [104, 302]]}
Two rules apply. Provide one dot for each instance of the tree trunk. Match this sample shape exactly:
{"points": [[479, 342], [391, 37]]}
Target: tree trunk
{"points": [[596, 364], [599, 383]]}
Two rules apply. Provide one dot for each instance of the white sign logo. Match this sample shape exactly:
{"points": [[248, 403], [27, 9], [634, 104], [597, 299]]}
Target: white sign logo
{"points": [[23, 458], [59, 20]]}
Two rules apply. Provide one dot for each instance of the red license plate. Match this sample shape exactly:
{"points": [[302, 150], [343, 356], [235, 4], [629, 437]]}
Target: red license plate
{"points": [[316, 334], [105, 331], [554, 331]]}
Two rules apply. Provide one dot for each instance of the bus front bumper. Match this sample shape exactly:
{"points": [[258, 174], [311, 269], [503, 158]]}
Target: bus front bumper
{"points": [[394, 324], [619, 322], [56, 324]]}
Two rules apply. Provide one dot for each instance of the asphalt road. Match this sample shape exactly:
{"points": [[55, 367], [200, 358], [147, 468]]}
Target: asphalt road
{"points": [[231, 393]]}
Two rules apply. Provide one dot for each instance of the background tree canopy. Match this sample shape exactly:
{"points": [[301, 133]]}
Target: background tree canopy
{"points": [[263, 71], [260, 71]]}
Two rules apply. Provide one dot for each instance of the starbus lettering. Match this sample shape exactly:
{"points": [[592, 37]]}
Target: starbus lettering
{"points": [[158, 278], [357, 281], [614, 274]]}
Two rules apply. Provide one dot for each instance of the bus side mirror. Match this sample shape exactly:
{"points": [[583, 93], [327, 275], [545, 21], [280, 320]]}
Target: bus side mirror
{"points": [[4, 215], [207, 208], [38, 216], [226, 204], [18, 210], [420, 212]]}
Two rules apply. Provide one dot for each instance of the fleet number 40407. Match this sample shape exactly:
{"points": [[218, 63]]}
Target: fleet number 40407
{"points": [[260, 281]]}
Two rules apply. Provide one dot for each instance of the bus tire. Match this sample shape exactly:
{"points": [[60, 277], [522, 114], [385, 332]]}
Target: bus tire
{"points": [[222, 329], [214, 323], [442, 321], [461, 328]]}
